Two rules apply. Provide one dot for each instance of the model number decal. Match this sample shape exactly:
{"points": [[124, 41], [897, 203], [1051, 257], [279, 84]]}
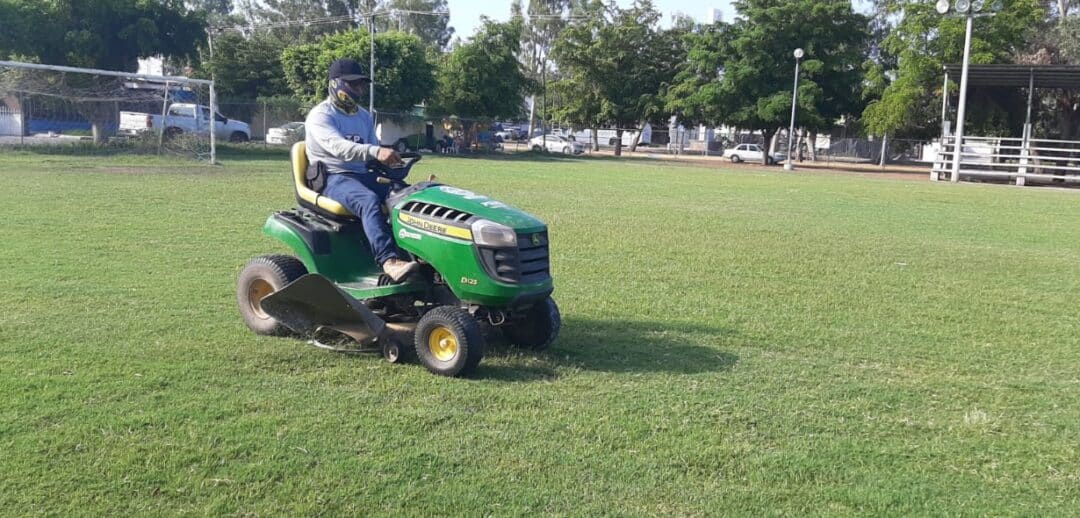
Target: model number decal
{"points": [[471, 282], [435, 228]]}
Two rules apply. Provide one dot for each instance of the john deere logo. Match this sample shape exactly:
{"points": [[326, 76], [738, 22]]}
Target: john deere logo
{"points": [[536, 239]]}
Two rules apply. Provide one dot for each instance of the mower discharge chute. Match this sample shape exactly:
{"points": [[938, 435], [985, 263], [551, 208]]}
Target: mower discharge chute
{"points": [[482, 261]]}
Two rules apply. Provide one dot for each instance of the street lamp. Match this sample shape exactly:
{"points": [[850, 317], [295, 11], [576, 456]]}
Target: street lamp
{"points": [[788, 166], [371, 65], [969, 9]]}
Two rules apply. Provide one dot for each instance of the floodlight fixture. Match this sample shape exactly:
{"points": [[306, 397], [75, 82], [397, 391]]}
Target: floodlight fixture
{"points": [[942, 6], [963, 6], [977, 5], [799, 53], [997, 6]]}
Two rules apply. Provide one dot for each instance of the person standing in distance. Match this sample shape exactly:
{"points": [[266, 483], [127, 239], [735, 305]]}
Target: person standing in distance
{"points": [[341, 135]]}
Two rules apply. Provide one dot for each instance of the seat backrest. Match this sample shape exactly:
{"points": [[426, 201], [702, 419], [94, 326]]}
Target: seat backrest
{"points": [[299, 165], [306, 195]]}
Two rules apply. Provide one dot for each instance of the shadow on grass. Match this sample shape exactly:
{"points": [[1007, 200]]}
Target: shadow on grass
{"points": [[617, 346]]}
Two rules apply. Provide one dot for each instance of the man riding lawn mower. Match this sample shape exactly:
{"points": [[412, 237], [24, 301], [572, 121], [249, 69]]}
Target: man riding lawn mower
{"points": [[461, 260]]}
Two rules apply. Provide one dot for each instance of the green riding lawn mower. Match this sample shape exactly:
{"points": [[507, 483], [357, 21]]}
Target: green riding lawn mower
{"points": [[483, 266]]}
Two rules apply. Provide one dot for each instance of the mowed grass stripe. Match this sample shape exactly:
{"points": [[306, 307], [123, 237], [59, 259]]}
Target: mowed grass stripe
{"points": [[734, 342]]}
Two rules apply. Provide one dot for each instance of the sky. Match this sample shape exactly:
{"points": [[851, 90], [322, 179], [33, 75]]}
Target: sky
{"points": [[465, 14]]}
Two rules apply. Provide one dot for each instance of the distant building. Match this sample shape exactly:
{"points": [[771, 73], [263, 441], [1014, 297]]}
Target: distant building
{"points": [[152, 66], [714, 15]]}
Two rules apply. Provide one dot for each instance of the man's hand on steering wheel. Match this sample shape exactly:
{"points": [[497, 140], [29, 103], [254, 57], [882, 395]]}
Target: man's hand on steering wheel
{"points": [[388, 156]]}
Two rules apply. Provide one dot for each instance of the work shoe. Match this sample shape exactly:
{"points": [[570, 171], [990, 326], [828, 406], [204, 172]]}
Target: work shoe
{"points": [[398, 269]]}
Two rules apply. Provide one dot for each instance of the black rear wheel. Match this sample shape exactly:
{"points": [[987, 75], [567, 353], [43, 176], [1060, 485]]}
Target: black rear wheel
{"points": [[449, 341], [262, 276], [537, 328], [397, 341], [238, 137]]}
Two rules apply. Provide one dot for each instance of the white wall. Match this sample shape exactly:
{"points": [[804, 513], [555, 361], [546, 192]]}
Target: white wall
{"points": [[10, 123]]}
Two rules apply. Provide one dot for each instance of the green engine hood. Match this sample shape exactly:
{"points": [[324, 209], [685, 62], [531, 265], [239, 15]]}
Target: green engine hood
{"points": [[479, 205]]}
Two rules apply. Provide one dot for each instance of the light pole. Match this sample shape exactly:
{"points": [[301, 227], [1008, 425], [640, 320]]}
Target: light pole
{"points": [[969, 9], [371, 64], [788, 166]]}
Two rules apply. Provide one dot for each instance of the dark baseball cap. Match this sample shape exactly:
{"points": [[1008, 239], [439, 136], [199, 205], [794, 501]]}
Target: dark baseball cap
{"points": [[348, 70]]}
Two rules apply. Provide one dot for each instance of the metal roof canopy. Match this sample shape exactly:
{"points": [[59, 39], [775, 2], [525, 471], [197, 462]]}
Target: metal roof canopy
{"points": [[1020, 76]]}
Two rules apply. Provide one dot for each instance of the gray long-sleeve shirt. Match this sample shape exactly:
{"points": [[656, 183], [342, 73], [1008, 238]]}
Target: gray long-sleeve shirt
{"points": [[341, 141]]}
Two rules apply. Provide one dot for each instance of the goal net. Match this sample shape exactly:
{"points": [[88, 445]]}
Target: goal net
{"points": [[98, 111]]}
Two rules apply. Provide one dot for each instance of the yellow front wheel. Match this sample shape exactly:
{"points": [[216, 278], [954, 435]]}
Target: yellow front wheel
{"points": [[443, 344], [449, 341]]}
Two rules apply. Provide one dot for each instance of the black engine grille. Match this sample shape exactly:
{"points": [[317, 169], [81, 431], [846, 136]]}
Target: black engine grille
{"points": [[430, 210], [526, 264]]}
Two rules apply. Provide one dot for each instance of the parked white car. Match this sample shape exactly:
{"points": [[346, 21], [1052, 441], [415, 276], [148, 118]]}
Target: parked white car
{"points": [[286, 134], [185, 118], [556, 144], [750, 153], [509, 134]]}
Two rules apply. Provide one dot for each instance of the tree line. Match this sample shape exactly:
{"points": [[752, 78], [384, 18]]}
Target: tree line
{"points": [[585, 63]]}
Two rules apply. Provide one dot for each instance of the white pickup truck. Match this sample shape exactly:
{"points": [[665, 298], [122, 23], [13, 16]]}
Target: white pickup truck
{"points": [[185, 118]]}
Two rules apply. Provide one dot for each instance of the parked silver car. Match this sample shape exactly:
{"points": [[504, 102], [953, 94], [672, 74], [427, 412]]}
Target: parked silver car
{"points": [[286, 134], [556, 144]]}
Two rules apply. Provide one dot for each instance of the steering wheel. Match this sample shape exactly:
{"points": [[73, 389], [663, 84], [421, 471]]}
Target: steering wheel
{"points": [[396, 173]]}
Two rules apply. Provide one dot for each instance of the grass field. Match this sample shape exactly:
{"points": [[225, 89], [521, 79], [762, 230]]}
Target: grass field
{"points": [[734, 342]]}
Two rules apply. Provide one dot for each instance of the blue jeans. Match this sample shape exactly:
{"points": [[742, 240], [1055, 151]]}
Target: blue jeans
{"points": [[363, 196]]}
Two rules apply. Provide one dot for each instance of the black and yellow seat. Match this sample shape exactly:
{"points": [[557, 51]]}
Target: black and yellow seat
{"points": [[306, 195]]}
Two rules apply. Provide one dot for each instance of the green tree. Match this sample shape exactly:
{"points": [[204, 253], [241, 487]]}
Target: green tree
{"points": [[922, 41], [623, 59], [482, 77], [305, 20], [542, 22], [1057, 112], [321, 17], [104, 34], [431, 29], [579, 105], [221, 7], [575, 101], [403, 75], [17, 30], [740, 73], [218, 13], [246, 67]]}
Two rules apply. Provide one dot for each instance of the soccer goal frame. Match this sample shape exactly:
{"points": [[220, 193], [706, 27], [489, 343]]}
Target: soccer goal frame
{"points": [[167, 80]]}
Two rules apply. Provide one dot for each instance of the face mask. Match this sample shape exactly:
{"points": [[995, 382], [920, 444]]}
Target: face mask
{"points": [[346, 98]]}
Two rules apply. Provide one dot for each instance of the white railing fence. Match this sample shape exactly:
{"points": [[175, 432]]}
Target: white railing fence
{"points": [[1023, 160], [11, 124]]}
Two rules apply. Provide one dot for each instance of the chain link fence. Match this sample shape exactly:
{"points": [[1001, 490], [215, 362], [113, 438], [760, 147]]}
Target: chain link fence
{"points": [[56, 109]]}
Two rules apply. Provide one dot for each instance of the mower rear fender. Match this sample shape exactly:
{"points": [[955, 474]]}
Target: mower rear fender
{"points": [[338, 251]]}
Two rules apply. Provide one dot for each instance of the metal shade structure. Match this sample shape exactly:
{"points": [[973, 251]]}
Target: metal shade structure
{"points": [[1020, 76], [1014, 158]]}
